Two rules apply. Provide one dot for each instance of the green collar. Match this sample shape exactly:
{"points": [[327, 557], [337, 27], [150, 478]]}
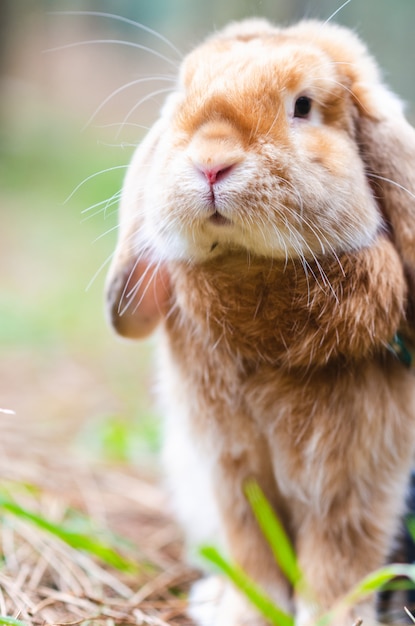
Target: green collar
{"points": [[399, 347]]}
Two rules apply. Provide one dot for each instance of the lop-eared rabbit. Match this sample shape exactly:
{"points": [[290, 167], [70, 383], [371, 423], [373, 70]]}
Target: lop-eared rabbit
{"points": [[267, 226]]}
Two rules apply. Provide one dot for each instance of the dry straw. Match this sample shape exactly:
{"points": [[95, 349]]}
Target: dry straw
{"points": [[46, 579]]}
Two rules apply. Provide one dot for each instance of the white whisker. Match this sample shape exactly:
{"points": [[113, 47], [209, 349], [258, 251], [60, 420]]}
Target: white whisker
{"points": [[132, 124], [139, 103], [320, 237], [392, 182], [120, 90], [107, 232], [108, 169], [92, 215], [150, 282], [299, 243], [124, 294], [128, 295], [317, 232], [333, 15], [119, 42], [102, 210], [125, 20], [99, 270], [124, 145], [114, 196], [276, 116]]}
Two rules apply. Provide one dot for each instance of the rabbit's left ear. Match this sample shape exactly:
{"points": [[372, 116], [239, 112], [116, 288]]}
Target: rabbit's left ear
{"points": [[385, 139], [387, 144]]}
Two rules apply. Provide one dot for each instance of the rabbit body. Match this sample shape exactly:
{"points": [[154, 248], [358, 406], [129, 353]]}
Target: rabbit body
{"points": [[263, 227], [282, 395]]}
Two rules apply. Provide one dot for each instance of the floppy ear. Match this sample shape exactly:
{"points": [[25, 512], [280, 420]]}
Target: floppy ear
{"points": [[137, 289], [387, 143], [386, 140]]}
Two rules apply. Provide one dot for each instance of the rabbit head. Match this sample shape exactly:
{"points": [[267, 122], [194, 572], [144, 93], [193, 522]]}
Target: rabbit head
{"points": [[276, 143]]}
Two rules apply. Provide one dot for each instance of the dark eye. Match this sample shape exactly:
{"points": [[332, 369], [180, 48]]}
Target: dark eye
{"points": [[302, 107]]}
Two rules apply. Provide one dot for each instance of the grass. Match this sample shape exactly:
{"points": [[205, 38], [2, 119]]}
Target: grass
{"points": [[11, 621], [108, 551], [59, 566], [285, 558], [74, 538]]}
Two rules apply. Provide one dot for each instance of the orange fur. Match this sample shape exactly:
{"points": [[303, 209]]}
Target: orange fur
{"points": [[277, 249]]}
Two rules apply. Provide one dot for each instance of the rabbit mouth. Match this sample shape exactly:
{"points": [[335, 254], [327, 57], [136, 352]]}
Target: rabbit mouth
{"points": [[219, 220]]}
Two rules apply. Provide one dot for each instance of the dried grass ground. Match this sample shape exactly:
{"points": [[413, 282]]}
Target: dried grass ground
{"points": [[45, 581]]}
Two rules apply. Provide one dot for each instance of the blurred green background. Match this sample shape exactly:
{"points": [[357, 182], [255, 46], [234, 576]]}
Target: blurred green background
{"points": [[61, 368]]}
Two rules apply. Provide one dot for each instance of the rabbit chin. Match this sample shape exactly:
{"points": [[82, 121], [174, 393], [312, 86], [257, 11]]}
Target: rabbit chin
{"points": [[210, 239]]}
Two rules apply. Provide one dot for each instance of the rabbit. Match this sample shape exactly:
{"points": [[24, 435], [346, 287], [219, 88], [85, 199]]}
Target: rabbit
{"points": [[267, 230]]}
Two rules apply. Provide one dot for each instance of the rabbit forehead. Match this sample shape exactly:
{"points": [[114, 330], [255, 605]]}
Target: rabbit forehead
{"points": [[281, 61]]}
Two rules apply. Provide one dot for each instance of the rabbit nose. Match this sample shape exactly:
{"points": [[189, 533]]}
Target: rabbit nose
{"points": [[214, 173]]}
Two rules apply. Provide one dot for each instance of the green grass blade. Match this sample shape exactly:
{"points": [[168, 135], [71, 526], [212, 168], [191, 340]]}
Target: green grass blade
{"points": [[80, 541], [399, 584], [410, 524], [274, 533], [10, 621], [370, 584], [376, 580], [251, 591]]}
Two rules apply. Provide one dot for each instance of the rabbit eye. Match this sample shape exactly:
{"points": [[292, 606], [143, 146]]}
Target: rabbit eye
{"points": [[302, 107]]}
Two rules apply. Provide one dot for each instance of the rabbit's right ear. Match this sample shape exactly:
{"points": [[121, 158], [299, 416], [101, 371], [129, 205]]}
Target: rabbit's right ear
{"points": [[137, 288]]}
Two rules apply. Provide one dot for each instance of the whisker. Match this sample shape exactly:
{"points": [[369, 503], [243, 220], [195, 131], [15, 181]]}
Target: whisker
{"points": [[112, 124], [299, 243], [116, 195], [129, 295], [108, 169], [150, 283], [102, 210], [273, 122], [125, 20], [348, 90], [316, 230], [119, 42], [254, 131], [107, 232], [99, 270], [123, 145], [120, 309], [120, 90], [392, 182], [320, 236], [333, 15], [139, 103]]}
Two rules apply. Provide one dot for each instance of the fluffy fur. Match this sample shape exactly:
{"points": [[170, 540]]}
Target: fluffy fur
{"points": [[276, 246]]}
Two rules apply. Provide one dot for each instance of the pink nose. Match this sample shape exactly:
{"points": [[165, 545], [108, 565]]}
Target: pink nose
{"points": [[214, 173]]}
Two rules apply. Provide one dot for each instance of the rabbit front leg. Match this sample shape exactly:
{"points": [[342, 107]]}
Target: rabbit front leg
{"points": [[343, 449], [333, 561], [245, 542], [215, 601], [350, 540], [206, 477]]}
